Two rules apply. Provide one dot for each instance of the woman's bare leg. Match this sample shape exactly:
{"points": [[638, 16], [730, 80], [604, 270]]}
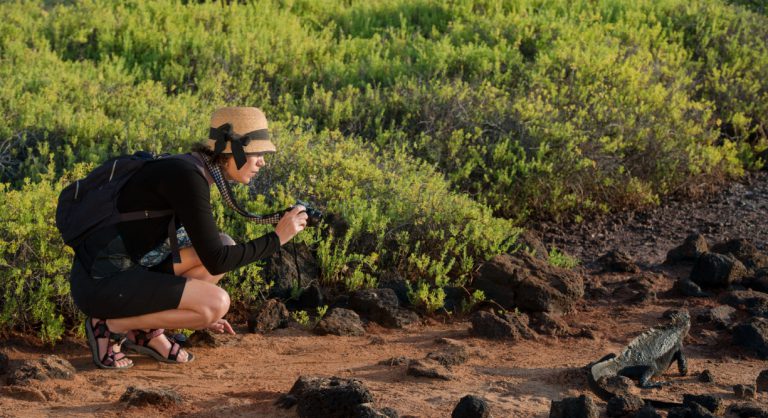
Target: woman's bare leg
{"points": [[202, 304], [192, 267]]}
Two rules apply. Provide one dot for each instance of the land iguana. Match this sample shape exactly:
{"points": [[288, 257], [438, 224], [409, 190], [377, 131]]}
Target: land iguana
{"points": [[649, 355]]}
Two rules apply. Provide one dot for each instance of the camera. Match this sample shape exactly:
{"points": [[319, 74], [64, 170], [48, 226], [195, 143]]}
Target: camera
{"points": [[314, 216]]}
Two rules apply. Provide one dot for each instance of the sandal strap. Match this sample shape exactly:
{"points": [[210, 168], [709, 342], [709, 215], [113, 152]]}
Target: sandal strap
{"points": [[174, 351], [143, 338]]}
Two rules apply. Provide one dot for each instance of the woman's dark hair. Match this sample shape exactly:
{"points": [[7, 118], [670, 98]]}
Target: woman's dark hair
{"points": [[219, 160]]}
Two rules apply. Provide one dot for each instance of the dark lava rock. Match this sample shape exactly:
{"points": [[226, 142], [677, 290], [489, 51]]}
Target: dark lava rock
{"points": [[706, 376], [546, 323], [759, 282], [452, 353], [332, 397], [762, 381], [366, 410], [647, 411], [529, 283], [744, 391], [395, 361], [748, 410], [679, 412], [616, 385], [48, 367], [284, 273], [311, 298], [753, 335], [428, 368], [698, 411], [471, 406], [383, 307], [711, 403], [717, 270], [134, 396], [754, 302], [720, 316], [581, 407], [694, 246], [623, 405], [638, 289], [202, 338], [531, 243], [687, 287], [500, 326], [744, 251], [340, 321], [3, 363], [270, 316], [618, 261]]}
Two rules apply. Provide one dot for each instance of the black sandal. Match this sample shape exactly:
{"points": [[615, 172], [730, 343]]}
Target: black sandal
{"points": [[140, 344], [114, 351]]}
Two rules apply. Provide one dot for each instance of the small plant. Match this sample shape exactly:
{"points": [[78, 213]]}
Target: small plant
{"points": [[429, 298], [476, 297], [301, 318], [558, 258], [321, 311]]}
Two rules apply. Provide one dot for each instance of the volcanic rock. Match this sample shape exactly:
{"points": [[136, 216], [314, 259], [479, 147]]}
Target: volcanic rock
{"points": [[647, 411], [529, 284], [428, 368], [288, 273], [761, 384], [618, 261], [748, 410], [706, 376], [134, 396], [623, 405], [754, 335], [451, 353], [687, 287], [48, 367], [721, 316], [383, 307], [711, 403], [754, 302], [744, 391], [694, 246], [505, 325], [717, 270], [472, 406], [270, 316], [744, 251], [546, 323], [581, 407], [340, 321], [332, 397]]}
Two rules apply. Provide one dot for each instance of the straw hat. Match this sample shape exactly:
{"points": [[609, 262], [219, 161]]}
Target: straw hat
{"points": [[239, 131]]}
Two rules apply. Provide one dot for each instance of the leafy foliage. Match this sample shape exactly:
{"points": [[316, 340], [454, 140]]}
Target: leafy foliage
{"points": [[428, 129]]}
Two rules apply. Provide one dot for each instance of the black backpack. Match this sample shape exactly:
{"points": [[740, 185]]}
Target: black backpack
{"points": [[90, 203]]}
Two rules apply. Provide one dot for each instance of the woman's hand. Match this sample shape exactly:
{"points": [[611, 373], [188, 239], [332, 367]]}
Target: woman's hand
{"points": [[291, 224], [221, 326]]}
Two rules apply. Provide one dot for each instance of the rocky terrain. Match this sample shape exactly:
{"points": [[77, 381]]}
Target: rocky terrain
{"points": [[524, 355]]}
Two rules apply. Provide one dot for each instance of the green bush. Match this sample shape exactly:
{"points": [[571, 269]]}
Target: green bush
{"points": [[428, 129]]}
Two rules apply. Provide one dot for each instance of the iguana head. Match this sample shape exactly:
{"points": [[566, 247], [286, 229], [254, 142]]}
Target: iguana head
{"points": [[681, 320]]}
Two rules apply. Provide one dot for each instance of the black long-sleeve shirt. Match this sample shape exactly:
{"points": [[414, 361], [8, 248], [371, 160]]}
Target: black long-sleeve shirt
{"points": [[177, 184]]}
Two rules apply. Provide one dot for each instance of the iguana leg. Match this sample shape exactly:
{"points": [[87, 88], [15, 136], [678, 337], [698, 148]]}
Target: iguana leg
{"points": [[682, 364], [645, 379]]}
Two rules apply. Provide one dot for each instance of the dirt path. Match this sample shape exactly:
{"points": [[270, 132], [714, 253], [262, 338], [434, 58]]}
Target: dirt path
{"points": [[248, 372]]}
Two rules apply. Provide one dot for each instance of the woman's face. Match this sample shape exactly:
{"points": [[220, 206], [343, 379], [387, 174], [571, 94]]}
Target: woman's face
{"points": [[253, 164]]}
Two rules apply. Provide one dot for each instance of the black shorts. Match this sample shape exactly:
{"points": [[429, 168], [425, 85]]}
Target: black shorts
{"points": [[135, 291]]}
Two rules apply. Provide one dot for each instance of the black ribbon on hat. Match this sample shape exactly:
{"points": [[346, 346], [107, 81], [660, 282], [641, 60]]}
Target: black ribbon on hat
{"points": [[224, 134]]}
